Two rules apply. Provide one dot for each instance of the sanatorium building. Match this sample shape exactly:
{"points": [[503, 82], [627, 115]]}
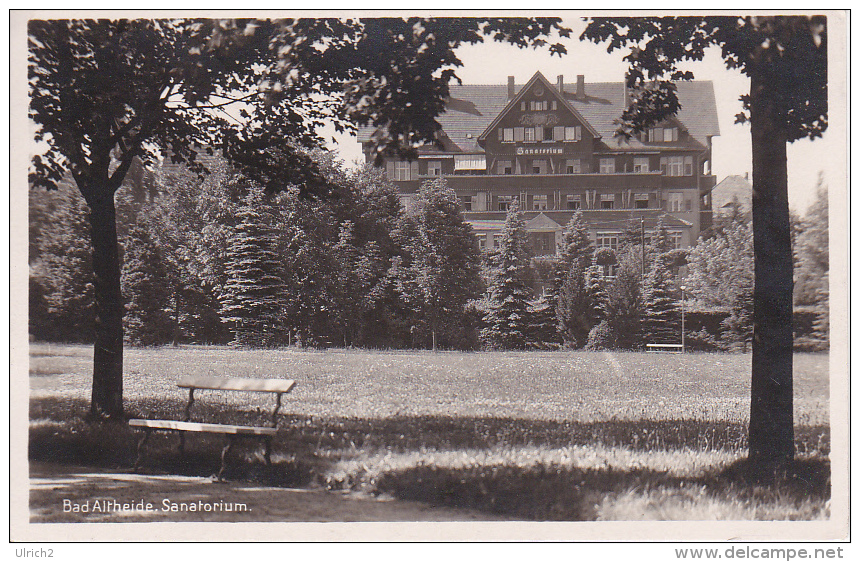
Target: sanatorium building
{"points": [[553, 147]]}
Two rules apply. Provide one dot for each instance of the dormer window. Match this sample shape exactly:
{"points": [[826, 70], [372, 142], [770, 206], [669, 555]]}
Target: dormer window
{"points": [[663, 134]]}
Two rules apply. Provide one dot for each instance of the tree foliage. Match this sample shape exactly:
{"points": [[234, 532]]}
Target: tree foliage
{"points": [[625, 307], [252, 297], [789, 52], [720, 268], [105, 93], [444, 260], [507, 320], [812, 250], [786, 60], [62, 294]]}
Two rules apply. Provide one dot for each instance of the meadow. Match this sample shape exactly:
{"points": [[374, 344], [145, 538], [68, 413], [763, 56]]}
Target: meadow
{"points": [[524, 435]]}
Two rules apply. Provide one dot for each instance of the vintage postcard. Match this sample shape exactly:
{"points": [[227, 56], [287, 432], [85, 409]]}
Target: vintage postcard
{"points": [[574, 277]]}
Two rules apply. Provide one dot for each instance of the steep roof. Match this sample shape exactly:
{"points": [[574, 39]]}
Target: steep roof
{"points": [[471, 109], [724, 192], [538, 77]]}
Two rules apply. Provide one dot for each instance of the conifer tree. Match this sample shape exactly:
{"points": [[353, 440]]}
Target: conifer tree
{"points": [[595, 289], [662, 317], [576, 243], [576, 312], [507, 321], [812, 249], [61, 268], [252, 296], [624, 304], [543, 324], [738, 326], [147, 285], [574, 308]]}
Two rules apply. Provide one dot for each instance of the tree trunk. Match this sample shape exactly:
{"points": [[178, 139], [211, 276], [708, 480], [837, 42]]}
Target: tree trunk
{"points": [[107, 357], [771, 431]]}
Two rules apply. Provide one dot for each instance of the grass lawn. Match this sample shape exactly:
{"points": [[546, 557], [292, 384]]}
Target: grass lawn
{"points": [[545, 436]]}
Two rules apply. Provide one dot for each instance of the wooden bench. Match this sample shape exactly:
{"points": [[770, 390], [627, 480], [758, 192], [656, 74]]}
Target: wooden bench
{"points": [[664, 348], [279, 387]]}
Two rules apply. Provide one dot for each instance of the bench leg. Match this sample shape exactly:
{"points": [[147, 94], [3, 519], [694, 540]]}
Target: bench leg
{"points": [[267, 453], [224, 452], [140, 444]]}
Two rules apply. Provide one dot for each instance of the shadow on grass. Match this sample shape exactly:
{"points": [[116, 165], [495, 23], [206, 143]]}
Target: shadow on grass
{"points": [[307, 448], [553, 493]]}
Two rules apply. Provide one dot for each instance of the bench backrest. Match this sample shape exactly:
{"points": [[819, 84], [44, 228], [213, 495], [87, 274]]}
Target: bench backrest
{"points": [[247, 385]]}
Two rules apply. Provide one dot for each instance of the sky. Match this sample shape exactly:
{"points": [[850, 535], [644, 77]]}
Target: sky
{"points": [[492, 63]]}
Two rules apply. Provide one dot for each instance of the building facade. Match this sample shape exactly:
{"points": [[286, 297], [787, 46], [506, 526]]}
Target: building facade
{"points": [[553, 148]]}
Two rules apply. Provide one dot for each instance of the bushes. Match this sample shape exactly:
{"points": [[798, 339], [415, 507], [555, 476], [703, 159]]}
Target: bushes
{"points": [[601, 337]]}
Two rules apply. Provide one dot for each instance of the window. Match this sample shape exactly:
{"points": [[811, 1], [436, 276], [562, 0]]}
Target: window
{"points": [[529, 134], [674, 239], [607, 240], [470, 162], [676, 165], [574, 202], [542, 243], [522, 106], [539, 202], [539, 105], [505, 202], [641, 201], [640, 165], [434, 168], [548, 134], [607, 201], [572, 134], [661, 134], [504, 167], [539, 166], [507, 135], [688, 165], [558, 133], [573, 166], [607, 165], [677, 202], [519, 134], [466, 202], [402, 171], [482, 241]]}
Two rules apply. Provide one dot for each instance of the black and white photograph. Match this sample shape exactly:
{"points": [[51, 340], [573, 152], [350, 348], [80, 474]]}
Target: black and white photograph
{"points": [[427, 276]]}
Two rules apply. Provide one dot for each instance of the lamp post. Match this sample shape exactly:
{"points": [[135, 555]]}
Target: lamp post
{"points": [[683, 298]]}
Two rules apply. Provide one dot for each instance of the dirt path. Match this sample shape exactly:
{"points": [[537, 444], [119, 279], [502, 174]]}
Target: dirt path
{"points": [[66, 494]]}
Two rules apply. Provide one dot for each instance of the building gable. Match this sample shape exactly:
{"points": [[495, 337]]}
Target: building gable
{"points": [[538, 103], [542, 223]]}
